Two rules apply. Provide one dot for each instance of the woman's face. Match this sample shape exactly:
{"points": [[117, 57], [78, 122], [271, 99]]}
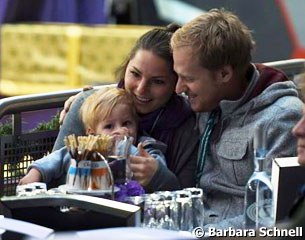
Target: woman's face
{"points": [[150, 81]]}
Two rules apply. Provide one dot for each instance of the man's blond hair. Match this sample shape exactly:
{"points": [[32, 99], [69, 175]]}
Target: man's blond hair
{"points": [[217, 38]]}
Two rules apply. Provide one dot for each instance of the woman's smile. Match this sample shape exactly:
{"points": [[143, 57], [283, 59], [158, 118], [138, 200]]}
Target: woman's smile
{"points": [[142, 99]]}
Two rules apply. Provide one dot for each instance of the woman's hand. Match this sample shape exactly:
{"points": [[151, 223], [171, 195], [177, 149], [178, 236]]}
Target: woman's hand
{"points": [[143, 166], [66, 108], [68, 104], [32, 176]]}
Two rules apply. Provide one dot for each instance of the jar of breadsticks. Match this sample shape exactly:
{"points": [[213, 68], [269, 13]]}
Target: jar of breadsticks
{"points": [[89, 169]]}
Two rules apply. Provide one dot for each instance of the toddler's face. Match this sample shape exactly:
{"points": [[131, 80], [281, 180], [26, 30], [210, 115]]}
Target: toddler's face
{"points": [[121, 122]]}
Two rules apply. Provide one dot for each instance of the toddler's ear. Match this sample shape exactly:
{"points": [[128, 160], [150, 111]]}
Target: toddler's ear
{"points": [[90, 131]]}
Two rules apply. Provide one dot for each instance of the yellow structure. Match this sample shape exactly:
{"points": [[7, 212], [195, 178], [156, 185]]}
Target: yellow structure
{"points": [[38, 58]]}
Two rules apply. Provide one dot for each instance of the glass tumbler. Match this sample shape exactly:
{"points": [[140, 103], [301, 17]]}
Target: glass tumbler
{"points": [[197, 206], [170, 210], [119, 160], [185, 211], [150, 218]]}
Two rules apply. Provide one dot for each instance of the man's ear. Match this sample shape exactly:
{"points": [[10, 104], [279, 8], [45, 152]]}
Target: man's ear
{"points": [[225, 74]]}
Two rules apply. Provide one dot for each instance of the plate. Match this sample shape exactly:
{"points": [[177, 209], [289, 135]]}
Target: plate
{"points": [[68, 190]]}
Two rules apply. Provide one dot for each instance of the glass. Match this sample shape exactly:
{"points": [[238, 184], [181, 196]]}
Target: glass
{"points": [[178, 210], [259, 201], [170, 210], [119, 161], [258, 205], [160, 211], [197, 206], [150, 211], [185, 211]]}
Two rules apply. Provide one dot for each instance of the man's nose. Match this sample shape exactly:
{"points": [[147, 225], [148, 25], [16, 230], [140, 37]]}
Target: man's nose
{"points": [[180, 87]]}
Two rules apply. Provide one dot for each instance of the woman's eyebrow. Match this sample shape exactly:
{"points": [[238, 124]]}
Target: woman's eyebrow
{"points": [[139, 71], [136, 69], [159, 77]]}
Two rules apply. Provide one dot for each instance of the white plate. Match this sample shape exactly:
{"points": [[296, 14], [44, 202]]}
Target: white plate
{"points": [[68, 190]]}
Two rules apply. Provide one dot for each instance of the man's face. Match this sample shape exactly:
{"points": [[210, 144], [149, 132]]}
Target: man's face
{"points": [[201, 85], [299, 132]]}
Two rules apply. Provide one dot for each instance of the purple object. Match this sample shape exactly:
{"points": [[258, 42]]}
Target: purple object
{"points": [[129, 189]]}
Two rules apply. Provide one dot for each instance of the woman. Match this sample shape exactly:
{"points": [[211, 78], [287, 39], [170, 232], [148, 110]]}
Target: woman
{"points": [[148, 75]]}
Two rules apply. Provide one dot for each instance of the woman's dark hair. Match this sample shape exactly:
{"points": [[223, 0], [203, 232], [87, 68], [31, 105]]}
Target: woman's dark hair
{"points": [[156, 40]]}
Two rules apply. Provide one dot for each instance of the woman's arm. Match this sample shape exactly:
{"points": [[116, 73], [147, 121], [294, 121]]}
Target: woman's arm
{"points": [[183, 152], [72, 123]]}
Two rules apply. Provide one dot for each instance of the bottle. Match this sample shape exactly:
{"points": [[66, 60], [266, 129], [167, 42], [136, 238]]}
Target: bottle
{"points": [[258, 209]]}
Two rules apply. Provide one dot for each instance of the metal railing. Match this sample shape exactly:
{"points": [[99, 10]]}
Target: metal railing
{"points": [[290, 67], [32, 102]]}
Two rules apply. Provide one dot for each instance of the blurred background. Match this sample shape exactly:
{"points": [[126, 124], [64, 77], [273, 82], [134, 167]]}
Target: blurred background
{"points": [[51, 45]]}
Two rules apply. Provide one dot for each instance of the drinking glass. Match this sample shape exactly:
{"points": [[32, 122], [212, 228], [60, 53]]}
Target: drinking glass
{"points": [[170, 210], [185, 211], [197, 206], [119, 160], [150, 211]]}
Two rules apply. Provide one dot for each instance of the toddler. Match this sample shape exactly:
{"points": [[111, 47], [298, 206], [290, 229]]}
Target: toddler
{"points": [[108, 111]]}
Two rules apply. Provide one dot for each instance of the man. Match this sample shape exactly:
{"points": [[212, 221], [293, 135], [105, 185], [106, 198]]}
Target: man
{"points": [[212, 57], [299, 132], [298, 212]]}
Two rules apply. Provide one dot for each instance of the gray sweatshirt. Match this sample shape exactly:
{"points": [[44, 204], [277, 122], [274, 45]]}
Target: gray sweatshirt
{"points": [[229, 161]]}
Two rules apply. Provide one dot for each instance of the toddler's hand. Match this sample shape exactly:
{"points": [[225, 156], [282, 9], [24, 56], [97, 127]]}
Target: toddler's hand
{"points": [[143, 166], [32, 176]]}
